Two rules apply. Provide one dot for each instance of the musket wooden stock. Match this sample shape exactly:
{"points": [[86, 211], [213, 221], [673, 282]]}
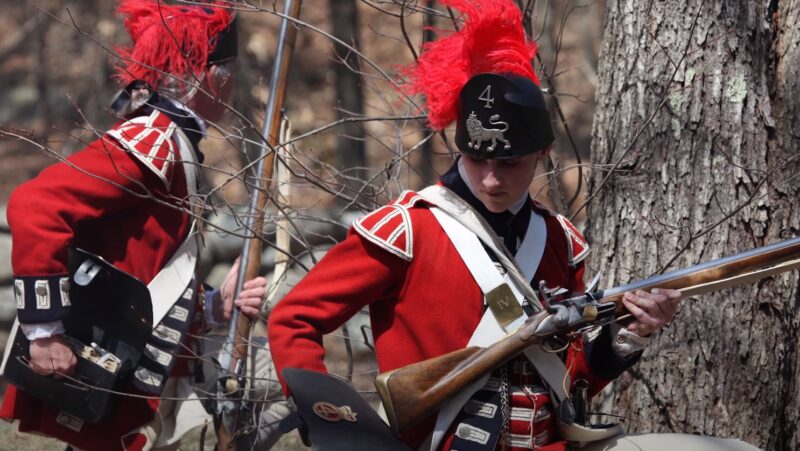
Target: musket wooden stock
{"points": [[239, 332], [413, 392]]}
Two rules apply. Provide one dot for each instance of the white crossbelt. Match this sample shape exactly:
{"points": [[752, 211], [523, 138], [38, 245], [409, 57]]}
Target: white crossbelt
{"points": [[466, 231], [170, 283]]}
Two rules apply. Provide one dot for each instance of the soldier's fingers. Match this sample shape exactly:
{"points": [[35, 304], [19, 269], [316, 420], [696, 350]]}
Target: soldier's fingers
{"points": [[653, 296], [642, 316], [42, 369], [633, 308], [671, 306], [656, 304], [255, 292], [254, 301], [63, 372], [59, 365], [673, 295], [666, 311], [663, 308], [62, 358], [258, 282], [643, 302], [250, 302], [60, 369], [636, 326], [251, 312], [60, 362]]}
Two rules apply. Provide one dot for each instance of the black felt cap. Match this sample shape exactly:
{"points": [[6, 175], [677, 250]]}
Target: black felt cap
{"points": [[502, 116], [227, 47]]}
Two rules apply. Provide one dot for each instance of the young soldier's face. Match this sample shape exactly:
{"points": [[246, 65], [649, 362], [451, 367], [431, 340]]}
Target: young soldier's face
{"points": [[501, 183]]}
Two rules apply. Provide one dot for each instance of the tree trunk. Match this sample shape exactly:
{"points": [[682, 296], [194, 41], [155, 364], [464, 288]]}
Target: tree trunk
{"points": [[695, 153], [349, 96]]}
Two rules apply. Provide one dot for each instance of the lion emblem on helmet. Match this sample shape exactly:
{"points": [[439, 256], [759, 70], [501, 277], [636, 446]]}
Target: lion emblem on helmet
{"points": [[478, 134]]}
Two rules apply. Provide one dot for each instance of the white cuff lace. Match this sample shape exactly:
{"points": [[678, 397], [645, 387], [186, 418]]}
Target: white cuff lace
{"points": [[42, 330], [626, 343]]}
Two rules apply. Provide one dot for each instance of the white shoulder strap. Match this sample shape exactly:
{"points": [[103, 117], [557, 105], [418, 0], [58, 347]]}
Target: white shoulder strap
{"points": [[466, 231], [459, 210], [485, 273], [173, 279], [171, 282]]}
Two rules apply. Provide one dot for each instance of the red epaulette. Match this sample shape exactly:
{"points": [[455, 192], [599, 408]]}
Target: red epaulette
{"points": [[389, 227], [149, 139], [577, 246]]}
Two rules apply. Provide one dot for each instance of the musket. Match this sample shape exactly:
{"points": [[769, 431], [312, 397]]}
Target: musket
{"points": [[413, 392], [233, 355]]}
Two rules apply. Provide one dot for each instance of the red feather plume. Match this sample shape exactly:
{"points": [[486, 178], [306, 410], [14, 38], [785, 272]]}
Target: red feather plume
{"points": [[492, 39], [171, 39]]}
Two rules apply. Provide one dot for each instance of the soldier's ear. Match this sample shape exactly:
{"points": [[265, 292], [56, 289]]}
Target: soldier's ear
{"points": [[544, 153], [219, 76]]}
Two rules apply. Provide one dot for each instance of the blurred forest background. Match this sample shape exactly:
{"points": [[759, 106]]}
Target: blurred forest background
{"points": [[679, 118], [57, 59], [358, 141]]}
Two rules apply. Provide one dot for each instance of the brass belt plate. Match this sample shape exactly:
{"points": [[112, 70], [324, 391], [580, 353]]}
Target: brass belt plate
{"points": [[504, 305]]}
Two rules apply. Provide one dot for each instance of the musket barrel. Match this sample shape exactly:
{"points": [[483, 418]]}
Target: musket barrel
{"points": [[234, 351], [251, 250], [412, 392], [721, 268]]}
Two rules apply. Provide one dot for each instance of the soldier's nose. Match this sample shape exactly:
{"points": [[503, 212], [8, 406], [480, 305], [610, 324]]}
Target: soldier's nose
{"points": [[490, 179]]}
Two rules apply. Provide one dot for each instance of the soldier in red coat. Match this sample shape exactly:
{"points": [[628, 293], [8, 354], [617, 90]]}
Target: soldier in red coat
{"points": [[425, 264], [128, 197]]}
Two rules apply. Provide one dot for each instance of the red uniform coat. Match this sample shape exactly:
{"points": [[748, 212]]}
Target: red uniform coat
{"points": [[111, 202], [422, 299]]}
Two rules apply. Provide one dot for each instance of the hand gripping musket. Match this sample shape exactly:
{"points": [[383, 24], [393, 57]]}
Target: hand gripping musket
{"points": [[233, 355], [413, 392]]}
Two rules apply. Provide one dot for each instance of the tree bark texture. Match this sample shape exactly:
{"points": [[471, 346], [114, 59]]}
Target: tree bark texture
{"points": [[695, 156]]}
